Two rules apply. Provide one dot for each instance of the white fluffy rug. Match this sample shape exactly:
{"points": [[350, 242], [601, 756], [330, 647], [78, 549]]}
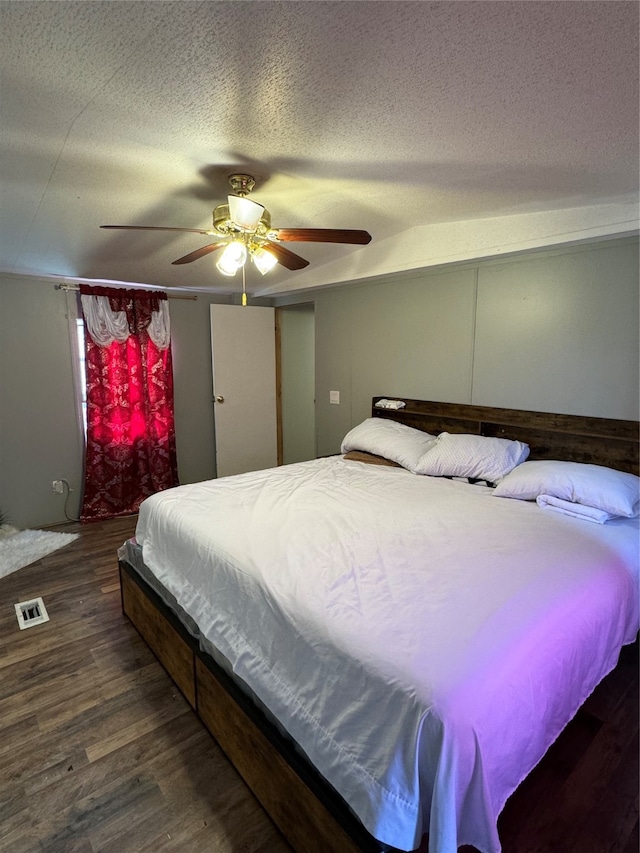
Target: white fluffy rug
{"points": [[26, 546]]}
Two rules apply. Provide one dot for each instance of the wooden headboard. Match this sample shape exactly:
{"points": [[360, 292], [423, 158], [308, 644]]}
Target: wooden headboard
{"points": [[599, 441]]}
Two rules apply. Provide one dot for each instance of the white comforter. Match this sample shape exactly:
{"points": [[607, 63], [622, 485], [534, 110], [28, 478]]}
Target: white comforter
{"points": [[421, 640]]}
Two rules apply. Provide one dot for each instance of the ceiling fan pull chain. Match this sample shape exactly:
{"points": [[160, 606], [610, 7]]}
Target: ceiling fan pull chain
{"points": [[244, 292]]}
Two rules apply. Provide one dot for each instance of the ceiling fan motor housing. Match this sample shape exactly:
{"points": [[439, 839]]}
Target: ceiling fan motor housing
{"points": [[241, 184], [223, 224]]}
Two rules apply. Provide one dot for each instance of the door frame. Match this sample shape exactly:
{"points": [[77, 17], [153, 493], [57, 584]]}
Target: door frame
{"points": [[278, 346]]}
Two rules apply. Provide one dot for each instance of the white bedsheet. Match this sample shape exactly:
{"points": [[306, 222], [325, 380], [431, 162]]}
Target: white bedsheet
{"points": [[421, 640]]}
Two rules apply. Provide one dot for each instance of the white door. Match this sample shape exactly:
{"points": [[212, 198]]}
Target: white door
{"points": [[244, 388]]}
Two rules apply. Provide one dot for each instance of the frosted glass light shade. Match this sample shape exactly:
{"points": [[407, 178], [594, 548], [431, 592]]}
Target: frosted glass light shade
{"points": [[264, 260], [245, 213], [233, 257]]}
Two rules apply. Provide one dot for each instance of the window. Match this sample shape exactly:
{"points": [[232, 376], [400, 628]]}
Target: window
{"points": [[127, 383], [82, 374]]}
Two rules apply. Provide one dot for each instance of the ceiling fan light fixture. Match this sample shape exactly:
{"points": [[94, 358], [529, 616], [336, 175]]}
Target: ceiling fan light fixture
{"points": [[233, 257], [244, 212], [264, 260]]}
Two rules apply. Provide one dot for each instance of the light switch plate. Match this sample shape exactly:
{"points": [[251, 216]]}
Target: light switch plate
{"points": [[334, 397]]}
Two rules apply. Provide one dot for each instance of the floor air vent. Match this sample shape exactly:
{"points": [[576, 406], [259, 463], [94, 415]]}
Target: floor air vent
{"points": [[31, 613]]}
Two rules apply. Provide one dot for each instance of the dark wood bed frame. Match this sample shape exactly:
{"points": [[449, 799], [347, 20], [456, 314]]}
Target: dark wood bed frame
{"points": [[308, 811], [599, 441]]}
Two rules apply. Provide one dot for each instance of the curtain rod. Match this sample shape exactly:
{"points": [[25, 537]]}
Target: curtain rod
{"points": [[169, 295]]}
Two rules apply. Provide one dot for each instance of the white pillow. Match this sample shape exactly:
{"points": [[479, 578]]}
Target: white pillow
{"points": [[603, 488], [395, 441], [477, 456]]}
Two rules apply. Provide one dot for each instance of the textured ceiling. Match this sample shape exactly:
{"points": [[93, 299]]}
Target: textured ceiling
{"points": [[445, 129]]}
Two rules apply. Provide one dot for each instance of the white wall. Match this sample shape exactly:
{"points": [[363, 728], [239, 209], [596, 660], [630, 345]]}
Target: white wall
{"points": [[40, 440], [551, 331], [39, 435], [560, 333], [297, 381]]}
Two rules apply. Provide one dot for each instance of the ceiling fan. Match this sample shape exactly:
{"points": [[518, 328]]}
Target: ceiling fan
{"points": [[244, 227]]}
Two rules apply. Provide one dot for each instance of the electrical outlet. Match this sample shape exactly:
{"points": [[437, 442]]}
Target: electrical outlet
{"points": [[334, 397], [57, 487]]}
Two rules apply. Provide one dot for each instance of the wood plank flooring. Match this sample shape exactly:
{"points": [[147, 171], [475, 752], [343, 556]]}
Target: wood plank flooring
{"points": [[98, 749], [99, 752]]}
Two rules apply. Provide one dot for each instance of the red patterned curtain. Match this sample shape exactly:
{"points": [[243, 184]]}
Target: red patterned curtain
{"points": [[130, 451]]}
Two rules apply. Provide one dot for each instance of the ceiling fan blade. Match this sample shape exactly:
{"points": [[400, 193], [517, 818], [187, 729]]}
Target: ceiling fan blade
{"points": [[324, 235], [286, 258], [155, 228], [199, 253]]}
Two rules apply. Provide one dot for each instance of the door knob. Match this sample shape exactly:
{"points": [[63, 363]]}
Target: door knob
{"points": [[219, 398]]}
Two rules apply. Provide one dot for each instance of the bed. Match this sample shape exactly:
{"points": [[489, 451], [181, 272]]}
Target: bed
{"points": [[382, 653]]}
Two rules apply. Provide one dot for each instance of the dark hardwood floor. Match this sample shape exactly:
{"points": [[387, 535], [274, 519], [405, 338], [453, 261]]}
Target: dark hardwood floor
{"points": [[100, 752], [98, 749]]}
